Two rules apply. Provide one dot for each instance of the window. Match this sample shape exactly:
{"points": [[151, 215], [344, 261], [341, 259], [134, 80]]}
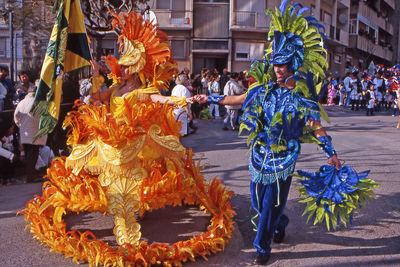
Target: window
{"points": [[338, 59], [353, 26], [250, 5], [163, 4], [178, 49], [211, 1], [256, 50], [248, 51], [3, 47], [177, 8], [178, 5], [327, 18], [250, 13], [217, 44], [242, 51], [348, 62]]}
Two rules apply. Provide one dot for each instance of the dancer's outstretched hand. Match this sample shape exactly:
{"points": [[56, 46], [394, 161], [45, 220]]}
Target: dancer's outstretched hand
{"points": [[95, 68], [201, 99], [190, 100], [335, 161]]}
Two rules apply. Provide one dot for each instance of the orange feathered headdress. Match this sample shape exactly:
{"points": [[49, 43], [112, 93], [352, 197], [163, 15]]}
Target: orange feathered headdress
{"points": [[143, 48]]}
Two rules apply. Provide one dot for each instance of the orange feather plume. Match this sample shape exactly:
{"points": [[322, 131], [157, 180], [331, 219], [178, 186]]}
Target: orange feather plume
{"points": [[132, 27]]}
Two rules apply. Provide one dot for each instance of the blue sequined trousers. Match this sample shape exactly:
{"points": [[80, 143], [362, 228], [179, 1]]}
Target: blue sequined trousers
{"points": [[264, 200]]}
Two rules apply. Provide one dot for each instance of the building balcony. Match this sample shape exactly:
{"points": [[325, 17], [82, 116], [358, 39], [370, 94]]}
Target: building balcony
{"points": [[336, 35], [366, 45], [211, 20], [384, 53], [342, 37], [371, 14], [345, 3], [391, 3], [389, 28], [174, 19], [249, 20]]}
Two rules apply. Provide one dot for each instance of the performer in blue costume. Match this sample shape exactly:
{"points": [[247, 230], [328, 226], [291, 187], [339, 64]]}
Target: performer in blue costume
{"points": [[280, 112]]}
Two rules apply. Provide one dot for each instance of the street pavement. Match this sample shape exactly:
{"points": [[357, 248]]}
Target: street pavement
{"points": [[365, 143]]}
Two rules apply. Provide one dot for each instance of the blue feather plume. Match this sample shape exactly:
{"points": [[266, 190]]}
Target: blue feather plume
{"points": [[302, 10], [282, 7]]}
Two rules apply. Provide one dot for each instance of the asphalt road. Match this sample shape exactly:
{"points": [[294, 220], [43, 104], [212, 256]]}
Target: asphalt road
{"points": [[365, 143]]}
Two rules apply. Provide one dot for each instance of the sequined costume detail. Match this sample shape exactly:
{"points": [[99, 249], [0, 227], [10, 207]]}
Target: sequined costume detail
{"points": [[277, 117]]}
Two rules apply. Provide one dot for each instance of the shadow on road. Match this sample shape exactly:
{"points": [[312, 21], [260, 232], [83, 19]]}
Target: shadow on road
{"points": [[182, 223], [338, 111], [381, 212]]}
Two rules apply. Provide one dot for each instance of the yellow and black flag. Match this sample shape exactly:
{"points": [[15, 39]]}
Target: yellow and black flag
{"points": [[68, 50]]}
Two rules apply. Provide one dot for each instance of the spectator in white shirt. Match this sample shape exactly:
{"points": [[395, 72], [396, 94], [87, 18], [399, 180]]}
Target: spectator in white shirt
{"points": [[213, 89], [232, 87], [205, 76], [355, 97], [348, 86], [28, 128], [378, 81], [180, 90]]}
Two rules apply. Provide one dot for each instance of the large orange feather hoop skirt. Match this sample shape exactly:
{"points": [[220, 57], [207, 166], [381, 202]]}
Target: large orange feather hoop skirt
{"points": [[127, 159]]}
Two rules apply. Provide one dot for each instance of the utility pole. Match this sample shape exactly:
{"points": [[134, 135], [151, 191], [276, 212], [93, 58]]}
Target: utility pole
{"points": [[11, 46]]}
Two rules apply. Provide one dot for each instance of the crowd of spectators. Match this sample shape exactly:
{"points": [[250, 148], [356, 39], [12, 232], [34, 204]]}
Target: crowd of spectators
{"points": [[22, 160], [358, 91], [372, 92], [211, 82]]}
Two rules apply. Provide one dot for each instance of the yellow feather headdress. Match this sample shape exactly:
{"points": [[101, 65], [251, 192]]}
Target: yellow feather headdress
{"points": [[144, 49]]}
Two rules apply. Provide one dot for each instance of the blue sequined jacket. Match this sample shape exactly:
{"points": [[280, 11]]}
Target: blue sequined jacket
{"points": [[276, 118]]}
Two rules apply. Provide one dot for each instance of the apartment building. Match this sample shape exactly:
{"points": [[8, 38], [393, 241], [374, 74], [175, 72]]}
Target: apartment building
{"points": [[372, 34], [214, 33], [231, 33]]}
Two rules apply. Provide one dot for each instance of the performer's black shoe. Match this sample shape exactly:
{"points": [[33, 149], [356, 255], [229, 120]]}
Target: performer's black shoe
{"points": [[261, 259], [279, 235]]}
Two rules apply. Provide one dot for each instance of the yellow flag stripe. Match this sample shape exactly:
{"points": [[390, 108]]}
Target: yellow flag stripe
{"points": [[76, 25], [54, 108], [74, 61], [47, 70]]}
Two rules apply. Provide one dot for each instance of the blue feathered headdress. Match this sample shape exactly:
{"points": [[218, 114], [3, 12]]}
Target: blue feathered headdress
{"points": [[287, 49], [296, 40]]}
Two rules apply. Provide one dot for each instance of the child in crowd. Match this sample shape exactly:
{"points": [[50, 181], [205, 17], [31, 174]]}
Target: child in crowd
{"points": [[395, 107], [387, 100], [8, 155], [378, 100], [331, 94], [370, 108], [342, 92], [370, 98]]}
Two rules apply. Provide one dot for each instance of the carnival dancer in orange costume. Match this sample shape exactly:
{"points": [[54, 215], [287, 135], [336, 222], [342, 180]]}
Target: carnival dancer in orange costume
{"points": [[127, 159]]}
